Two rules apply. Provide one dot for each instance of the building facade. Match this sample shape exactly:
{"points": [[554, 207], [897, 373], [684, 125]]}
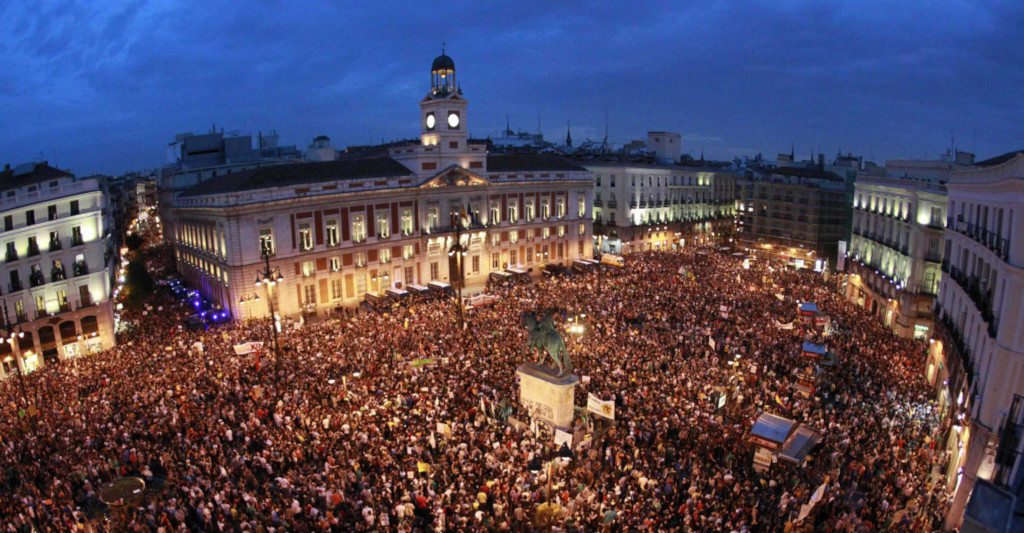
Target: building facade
{"points": [[896, 247], [641, 207], [793, 214], [977, 355], [338, 230], [59, 260]]}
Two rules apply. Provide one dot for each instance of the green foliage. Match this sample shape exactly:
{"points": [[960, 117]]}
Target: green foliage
{"points": [[134, 242], [138, 284]]}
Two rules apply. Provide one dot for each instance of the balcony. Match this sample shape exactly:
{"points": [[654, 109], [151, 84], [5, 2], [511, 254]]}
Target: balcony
{"points": [[613, 204], [55, 244], [11, 256], [87, 302], [983, 299], [33, 249], [41, 313], [989, 239], [57, 274], [36, 279], [598, 202], [79, 269], [64, 307], [14, 286], [933, 257]]}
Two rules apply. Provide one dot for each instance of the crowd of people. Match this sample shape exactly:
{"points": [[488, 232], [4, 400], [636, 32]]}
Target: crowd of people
{"points": [[398, 421]]}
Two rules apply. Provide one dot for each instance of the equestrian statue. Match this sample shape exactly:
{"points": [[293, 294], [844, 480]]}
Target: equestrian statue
{"points": [[542, 335]]}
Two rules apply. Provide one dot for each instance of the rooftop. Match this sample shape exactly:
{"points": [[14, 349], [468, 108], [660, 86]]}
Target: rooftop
{"points": [[298, 174], [30, 174], [999, 159], [530, 163]]}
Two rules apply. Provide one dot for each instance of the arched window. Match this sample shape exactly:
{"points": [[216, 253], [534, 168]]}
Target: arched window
{"points": [[90, 325]]}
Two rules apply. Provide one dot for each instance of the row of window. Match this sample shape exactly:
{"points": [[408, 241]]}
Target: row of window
{"points": [[57, 303], [51, 214], [658, 181], [382, 225], [32, 247], [384, 255], [360, 282]]}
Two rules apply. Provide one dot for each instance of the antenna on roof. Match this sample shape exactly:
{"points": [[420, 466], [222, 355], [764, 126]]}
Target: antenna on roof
{"points": [[606, 124]]}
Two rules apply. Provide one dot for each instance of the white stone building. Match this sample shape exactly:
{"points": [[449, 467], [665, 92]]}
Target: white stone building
{"points": [[658, 207], [977, 354], [896, 245], [58, 260], [339, 230]]}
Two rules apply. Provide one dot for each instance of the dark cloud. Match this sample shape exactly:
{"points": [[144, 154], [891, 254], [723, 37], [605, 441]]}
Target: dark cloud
{"points": [[102, 87]]}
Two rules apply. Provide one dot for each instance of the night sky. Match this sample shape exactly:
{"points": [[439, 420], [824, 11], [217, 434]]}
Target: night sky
{"points": [[105, 86]]}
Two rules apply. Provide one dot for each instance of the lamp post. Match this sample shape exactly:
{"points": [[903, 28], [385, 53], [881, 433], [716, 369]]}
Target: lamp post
{"points": [[10, 338], [245, 301], [459, 252], [270, 277]]}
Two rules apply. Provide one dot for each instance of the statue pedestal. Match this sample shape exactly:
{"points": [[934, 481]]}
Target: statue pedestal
{"points": [[546, 396]]}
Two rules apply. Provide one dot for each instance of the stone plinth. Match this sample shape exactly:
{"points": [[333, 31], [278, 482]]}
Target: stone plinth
{"points": [[546, 396]]}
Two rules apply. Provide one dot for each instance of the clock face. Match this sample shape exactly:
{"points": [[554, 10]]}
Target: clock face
{"points": [[430, 121], [453, 120]]}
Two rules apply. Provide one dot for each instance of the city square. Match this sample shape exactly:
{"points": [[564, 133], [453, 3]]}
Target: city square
{"points": [[732, 266], [393, 422]]}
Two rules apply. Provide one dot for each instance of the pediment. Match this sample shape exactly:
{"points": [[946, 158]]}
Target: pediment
{"points": [[454, 176]]}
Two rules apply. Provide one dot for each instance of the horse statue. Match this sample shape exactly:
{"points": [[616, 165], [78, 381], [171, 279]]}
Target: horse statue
{"points": [[542, 335]]}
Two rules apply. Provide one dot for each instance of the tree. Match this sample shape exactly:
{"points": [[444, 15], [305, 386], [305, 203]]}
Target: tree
{"points": [[134, 242], [138, 283]]}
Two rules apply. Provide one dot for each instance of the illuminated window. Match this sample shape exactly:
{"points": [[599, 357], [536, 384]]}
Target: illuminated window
{"points": [[560, 207], [385, 255], [581, 207], [513, 212], [332, 232], [305, 236], [383, 226], [308, 268], [358, 228], [495, 213], [407, 251], [406, 222]]}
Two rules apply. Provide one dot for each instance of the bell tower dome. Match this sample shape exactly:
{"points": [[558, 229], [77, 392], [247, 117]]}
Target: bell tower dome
{"points": [[444, 140], [443, 110], [442, 76]]}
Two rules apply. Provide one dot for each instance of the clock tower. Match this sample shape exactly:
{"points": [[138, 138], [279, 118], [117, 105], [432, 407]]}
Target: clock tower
{"points": [[443, 110], [443, 138]]}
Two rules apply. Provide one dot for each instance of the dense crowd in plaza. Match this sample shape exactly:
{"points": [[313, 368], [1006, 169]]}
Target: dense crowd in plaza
{"points": [[342, 434]]}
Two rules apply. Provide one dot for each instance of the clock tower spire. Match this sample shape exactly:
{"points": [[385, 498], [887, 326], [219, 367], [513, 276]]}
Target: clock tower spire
{"points": [[443, 110], [443, 140]]}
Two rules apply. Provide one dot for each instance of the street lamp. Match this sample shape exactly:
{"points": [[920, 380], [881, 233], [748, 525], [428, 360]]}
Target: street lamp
{"points": [[247, 299], [459, 252], [270, 277], [10, 338]]}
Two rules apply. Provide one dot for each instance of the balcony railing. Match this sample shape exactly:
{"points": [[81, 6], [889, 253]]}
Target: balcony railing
{"points": [[41, 313], [55, 244], [36, 279], [80, 268], [991, 240], [78, 241], [983, 299], [11, 255], [933, 257], [14, 286]]}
